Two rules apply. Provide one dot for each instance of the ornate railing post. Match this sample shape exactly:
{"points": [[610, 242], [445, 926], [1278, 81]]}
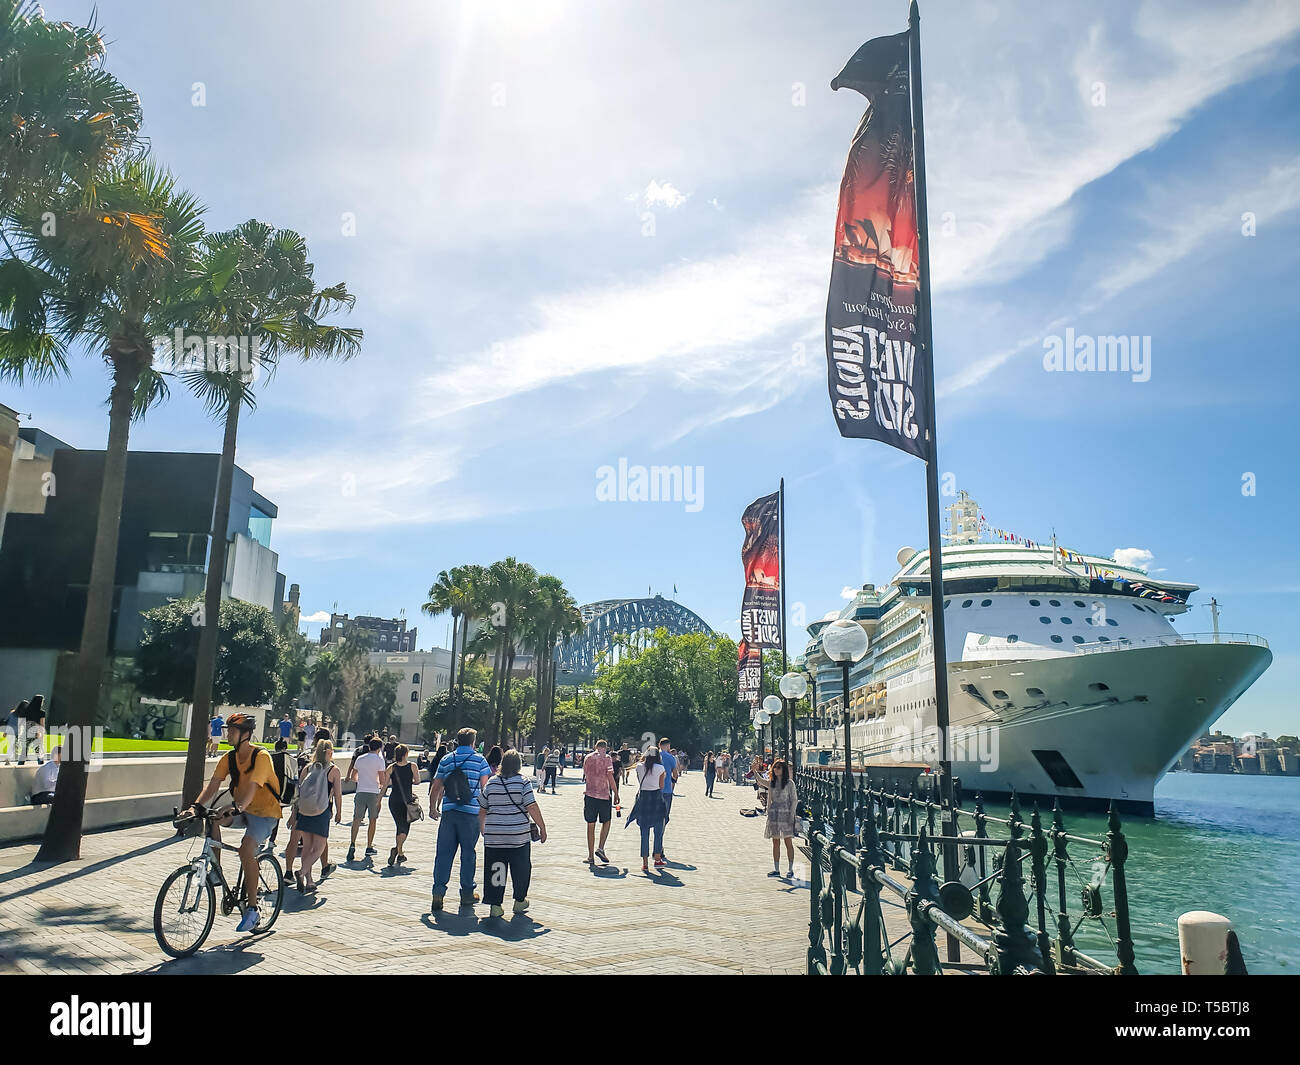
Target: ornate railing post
{"points": [[870, 858], [1116, 855], [1014, 944], [1038, 869], [816, 934], [925, 955], [837, 910], [1064, 938], [982, 832]]}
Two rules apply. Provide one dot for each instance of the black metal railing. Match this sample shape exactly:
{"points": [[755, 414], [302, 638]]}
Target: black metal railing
{"points": [[858, 833]]}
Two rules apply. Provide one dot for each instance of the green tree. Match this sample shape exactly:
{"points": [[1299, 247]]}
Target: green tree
{"points": [[291, 670], [453, 593], [250, 650], [377, 705], [448, 712]]}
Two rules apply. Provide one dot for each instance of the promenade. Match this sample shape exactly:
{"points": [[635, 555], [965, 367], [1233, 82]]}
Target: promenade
{"points": [[712, 911]]}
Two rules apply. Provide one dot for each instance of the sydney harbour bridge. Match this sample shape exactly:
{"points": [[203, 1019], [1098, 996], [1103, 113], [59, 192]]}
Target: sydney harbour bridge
{"points": [[623, 617]]}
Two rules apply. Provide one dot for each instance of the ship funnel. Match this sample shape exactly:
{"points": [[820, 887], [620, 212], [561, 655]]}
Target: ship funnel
{"points": [[905, 555]]}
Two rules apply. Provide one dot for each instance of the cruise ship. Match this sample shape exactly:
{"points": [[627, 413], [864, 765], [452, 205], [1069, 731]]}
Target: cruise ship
{"points": [[1066, 678]]}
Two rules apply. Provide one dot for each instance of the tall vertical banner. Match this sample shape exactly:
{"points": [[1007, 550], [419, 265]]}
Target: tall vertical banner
{"points": [[877, 378], [749, 668], [760, 611]]}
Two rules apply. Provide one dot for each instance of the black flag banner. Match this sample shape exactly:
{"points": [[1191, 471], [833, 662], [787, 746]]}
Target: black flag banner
{"points": [[760, 610], [750, 672], [875, 367]]}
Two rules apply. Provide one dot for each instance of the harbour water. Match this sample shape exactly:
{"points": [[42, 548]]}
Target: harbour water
{"points": [[1226, 843]]}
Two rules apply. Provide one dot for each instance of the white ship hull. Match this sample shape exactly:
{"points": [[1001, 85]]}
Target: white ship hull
{"points": [[1088, 729]]}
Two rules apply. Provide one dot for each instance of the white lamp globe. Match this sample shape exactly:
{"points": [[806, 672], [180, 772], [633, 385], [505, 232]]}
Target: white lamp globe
{"points": [[844, 641], [772, 704], [762, 717], [794, 685]]}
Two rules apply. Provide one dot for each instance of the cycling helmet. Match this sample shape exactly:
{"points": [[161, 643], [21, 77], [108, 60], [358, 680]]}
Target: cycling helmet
{"points": [[242, 722]]}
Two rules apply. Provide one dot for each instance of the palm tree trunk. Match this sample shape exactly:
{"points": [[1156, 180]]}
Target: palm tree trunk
{"points": [[451, 677], [62, 840], [495, 693], [505, 693], [545, 704], [206, 667], [464, 638]]}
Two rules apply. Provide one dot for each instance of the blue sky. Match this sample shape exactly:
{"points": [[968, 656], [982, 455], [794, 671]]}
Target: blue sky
{"points": [[593, 231]]}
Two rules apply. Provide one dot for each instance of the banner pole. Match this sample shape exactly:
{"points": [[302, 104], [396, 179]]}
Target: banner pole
{"points": [[926, 339]]}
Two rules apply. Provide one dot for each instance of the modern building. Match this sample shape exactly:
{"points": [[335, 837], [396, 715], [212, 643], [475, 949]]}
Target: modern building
{"points": [[53, 494], [420, 674], [386, 634]]}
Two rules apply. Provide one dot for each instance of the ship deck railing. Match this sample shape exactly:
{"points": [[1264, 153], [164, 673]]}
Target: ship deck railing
{"points": [[1127, 643]]}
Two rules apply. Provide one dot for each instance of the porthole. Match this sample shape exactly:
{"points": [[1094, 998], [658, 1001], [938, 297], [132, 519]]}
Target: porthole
{"points": [[1099, 687], [1055, 638], [1045, 620], [1033, 691], [1067, 621], [1087, 621], [983, 639], [998, 693], [1053, 602], [1103, 639], [1077, 639], [966, 604], [1080, 605], [945, 603], [1112, 621], [1136, 607], [1012, 638], [1034, 602], [986, 602]]}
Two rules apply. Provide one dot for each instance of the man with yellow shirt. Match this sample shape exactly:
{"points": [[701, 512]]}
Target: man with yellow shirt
{"points": [[255, 802]]}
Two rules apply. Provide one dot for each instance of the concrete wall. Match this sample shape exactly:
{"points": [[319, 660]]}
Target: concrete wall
{"points": [[24, 673], [251, 572]]}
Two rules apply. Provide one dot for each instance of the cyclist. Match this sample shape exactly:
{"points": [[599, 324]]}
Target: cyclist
{"points": [[255, 803]]}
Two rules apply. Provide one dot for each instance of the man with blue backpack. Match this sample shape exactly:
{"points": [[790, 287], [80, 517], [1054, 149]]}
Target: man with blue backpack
{"points": [[460, 778]]}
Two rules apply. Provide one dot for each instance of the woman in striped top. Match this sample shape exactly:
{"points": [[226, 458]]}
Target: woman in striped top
{"points": [[507, 811]]}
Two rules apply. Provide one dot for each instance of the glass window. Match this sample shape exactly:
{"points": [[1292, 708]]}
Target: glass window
{"points": [[1104, 639], [1087, 621], [415, 678], [1080, 605], [415, 697], [986, 602], [1045, 620], [966, 604], [1012, 638], [1034, 602], [259, 527], [1054, 602], [1067, 621], [1136, 606], [1112, 621], [945, 603], [1055, 638], [1033, 691], [1077, 639], [983, 639]]}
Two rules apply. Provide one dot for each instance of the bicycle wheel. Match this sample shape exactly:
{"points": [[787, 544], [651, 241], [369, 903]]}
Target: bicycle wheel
{"points": [[183, 913], [270, 891]]}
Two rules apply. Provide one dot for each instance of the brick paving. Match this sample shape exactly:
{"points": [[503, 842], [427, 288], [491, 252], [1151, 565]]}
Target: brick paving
{"points": [[713, 910]]}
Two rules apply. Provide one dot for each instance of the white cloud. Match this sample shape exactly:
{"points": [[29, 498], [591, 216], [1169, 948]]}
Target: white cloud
{"points": [[1138, 557], [848, 592], [318, 618]]}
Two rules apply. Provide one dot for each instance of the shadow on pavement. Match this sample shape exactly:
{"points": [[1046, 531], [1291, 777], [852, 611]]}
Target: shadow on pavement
{"points": [[94, 867], [227, 959], [608, 872], [663, 878], [513, 929], [91, 914]]}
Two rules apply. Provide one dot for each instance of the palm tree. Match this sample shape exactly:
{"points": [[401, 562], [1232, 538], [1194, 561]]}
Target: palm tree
{"points": [[109, 275], [253, 282], [452, 593], [554, 617], [65, 116], [512, 585]]}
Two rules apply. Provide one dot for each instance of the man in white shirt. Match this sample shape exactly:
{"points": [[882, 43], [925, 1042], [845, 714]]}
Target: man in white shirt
{"points": [[370, 771], [46, 778]]}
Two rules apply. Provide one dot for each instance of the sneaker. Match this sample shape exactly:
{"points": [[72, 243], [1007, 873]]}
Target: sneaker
{"points": [[437, 904], [370, 851], [251, 917], [352, 854], [775, 872], [521, 905], [327, 869], [789, 874], [602, 856], [470, 899], [659, 862], [497, 911]]}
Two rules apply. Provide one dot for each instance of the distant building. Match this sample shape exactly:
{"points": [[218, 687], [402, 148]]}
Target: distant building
{"points": [[386, 634], [49, 538], [420, 674]]}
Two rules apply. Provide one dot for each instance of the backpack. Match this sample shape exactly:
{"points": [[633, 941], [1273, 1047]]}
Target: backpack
{"points": [[457, 787], [314, 791], [232, 763]]}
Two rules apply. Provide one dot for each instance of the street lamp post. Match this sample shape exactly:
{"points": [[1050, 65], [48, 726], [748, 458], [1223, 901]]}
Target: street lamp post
{"points": [[773, 705], [793, 686], [845, 642]]}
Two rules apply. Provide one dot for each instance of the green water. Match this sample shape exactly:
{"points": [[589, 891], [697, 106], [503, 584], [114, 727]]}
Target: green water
{"points": [[1230, 844]]}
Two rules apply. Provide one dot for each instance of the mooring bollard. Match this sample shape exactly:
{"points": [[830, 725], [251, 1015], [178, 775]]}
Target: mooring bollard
{"points": [[1208, 945]]}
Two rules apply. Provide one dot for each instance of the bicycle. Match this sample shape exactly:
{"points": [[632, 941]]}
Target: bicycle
{"points": [[187, 905]]}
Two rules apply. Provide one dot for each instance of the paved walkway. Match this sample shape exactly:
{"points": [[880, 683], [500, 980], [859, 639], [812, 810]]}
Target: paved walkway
{"points": [[714, 910]]}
